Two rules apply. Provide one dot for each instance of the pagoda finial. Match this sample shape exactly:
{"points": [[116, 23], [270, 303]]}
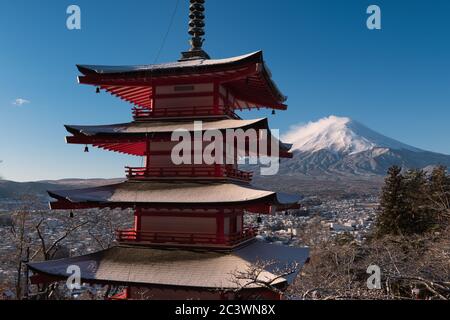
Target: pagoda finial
{"points": [[196, 30]]}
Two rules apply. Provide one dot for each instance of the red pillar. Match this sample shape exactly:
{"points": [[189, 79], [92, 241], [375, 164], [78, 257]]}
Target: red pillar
{"points": [[220, 220], [152, 98], [216, 94], [147, 153], [218, 172], [137, 223]]}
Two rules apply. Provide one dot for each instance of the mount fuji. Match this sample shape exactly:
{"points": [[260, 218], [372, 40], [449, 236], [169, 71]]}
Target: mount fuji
{"points": [[339, 146]]}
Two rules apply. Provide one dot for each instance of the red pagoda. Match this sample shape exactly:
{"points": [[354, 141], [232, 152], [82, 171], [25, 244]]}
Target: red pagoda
{"points": [[189, 236]]}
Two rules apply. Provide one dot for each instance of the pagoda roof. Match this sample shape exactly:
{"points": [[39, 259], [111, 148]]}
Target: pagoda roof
{"points": [[146, 266], [248, 76], [171, 67], [194, 194], [158, 126], [133, 134]]}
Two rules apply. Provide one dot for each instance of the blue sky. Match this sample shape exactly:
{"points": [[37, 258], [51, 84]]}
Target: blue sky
{"points": [[395, 80]]}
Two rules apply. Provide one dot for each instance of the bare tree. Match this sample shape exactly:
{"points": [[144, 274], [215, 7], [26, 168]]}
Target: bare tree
{"points": [[102, 227], [22, 241], [413, 267], [31, 242], [50, 248], [257, 276], [417, 267]]}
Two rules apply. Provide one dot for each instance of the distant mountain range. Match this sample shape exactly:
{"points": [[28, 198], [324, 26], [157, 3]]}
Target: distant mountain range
{"points": [[344, 147], [13, 194], [338, 157], [334, 156]]}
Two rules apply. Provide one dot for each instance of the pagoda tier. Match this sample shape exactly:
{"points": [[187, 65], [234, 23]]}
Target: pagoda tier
{"points": [[137, 138], [189, 199], [193, 88], [164, 273], [153, 140], [207, 195], [182, 213]]}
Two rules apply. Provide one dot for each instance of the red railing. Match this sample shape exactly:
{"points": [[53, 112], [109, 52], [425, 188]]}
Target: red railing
{"points": [[161, 172], [187, 172], [238, 174], [143, 113], [185, 238]]}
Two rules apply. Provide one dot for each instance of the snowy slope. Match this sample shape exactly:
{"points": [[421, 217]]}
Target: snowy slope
{"points": [[340, 135], [341, 146]]}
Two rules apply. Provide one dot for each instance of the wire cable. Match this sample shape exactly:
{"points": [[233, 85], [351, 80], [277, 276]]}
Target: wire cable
{"points": [[169, 28]]}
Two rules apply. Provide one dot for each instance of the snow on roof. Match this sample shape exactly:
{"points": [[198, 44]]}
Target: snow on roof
{"points": [[165, 126], [160, 192], [340, 135], [100, 69], [176, 267]]}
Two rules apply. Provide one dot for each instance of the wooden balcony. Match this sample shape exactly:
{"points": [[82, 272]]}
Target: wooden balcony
{"points": [[188, 172], [192, 239], [239, 174], [142, 114]]}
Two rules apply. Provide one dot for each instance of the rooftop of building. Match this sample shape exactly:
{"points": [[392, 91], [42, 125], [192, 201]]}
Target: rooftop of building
{"points": [[173, 193], [247, 76], [128, 265]]}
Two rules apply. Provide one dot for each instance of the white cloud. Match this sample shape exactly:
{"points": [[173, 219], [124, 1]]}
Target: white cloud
{"points": [[20, 102]]}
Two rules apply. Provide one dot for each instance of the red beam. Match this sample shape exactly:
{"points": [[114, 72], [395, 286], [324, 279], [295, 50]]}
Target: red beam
{"points": [[167, 80], [184, 95], [105, 140]]}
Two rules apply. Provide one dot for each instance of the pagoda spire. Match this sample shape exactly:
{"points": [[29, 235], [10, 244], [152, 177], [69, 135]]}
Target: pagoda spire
{"points": [[197, 31]]}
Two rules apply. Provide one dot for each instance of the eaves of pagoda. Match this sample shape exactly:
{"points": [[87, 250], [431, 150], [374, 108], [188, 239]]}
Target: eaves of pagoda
{"points": [[175, 194], [248, 77], [133, 138]]}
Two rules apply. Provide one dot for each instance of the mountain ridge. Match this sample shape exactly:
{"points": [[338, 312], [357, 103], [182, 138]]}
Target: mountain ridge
{"points": [[342, 135], [333, 155], [14, 194], [342, 146]]}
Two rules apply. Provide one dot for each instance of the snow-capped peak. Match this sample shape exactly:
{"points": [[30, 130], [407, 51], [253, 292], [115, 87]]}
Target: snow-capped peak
{"points": [[340, 135]]}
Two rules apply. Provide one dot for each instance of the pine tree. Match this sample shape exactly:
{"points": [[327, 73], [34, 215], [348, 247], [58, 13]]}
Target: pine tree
{"points": [[439, 194], [418, 217], [392, 204], [413, 203]]}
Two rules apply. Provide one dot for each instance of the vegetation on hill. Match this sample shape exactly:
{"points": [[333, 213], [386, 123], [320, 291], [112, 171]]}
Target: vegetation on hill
{"points": [[414, 202], [410, 244]]}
